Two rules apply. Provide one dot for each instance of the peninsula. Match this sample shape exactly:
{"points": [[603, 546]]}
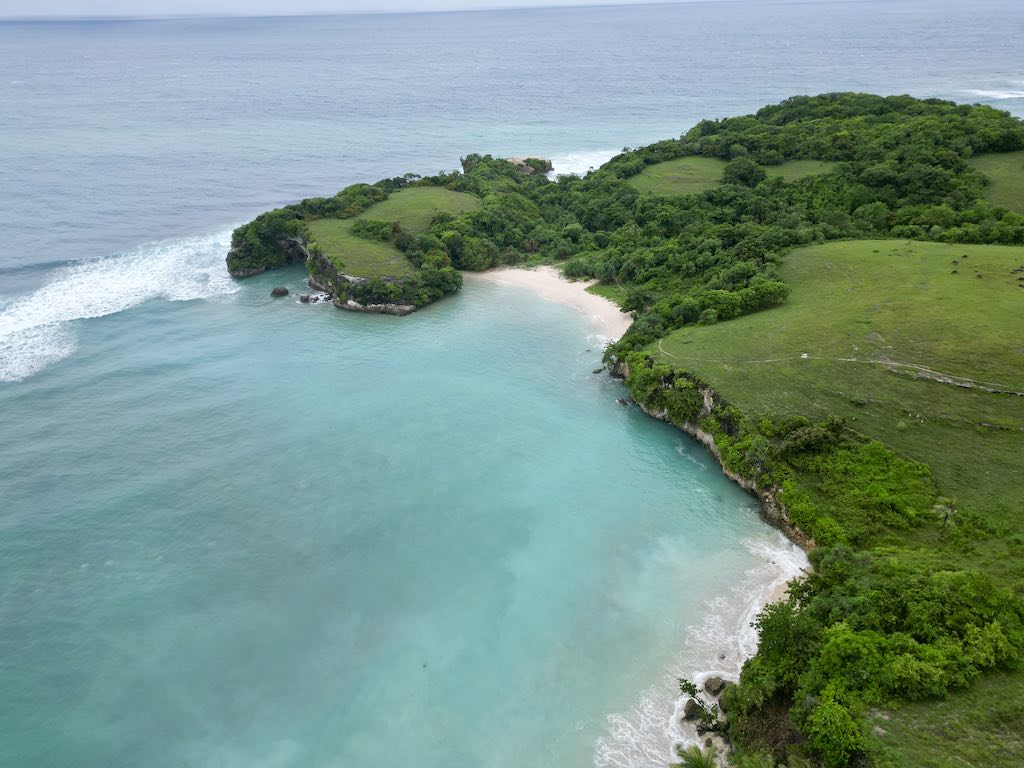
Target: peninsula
{"points": [[827, 293]]}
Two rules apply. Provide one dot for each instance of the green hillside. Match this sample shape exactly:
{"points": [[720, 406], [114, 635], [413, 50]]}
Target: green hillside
{"points": [[904, 340], [895, 334]]}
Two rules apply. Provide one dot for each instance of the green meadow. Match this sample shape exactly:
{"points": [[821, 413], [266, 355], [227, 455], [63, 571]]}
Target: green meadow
{"points": [[1005, 173], [686, 175], [412, 208], [898, 337]]}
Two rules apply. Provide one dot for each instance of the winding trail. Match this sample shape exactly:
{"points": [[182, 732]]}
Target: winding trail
{"points": [[921, 371]]}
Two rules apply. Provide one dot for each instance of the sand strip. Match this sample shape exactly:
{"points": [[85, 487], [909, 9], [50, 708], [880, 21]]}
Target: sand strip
{"points": [[548, 283]]}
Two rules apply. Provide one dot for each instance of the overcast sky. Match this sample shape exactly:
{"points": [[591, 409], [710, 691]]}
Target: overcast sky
{"points": [[83, 8]]}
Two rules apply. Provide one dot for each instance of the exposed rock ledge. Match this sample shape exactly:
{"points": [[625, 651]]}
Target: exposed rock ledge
{"points": [[325, 277], [531, 165], [383, 309], [773, 511]]}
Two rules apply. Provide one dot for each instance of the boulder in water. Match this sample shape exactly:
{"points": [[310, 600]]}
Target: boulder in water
{"points": [[692, 710], [278, 292], [714, 685]]}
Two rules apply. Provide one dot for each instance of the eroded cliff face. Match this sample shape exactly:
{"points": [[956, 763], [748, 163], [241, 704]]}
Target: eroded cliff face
{"points": [[324, 276], [773, 511], [292, 251]]}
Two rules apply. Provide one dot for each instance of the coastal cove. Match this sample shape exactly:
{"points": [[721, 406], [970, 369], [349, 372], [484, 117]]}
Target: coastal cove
{"points": [[509, 563], [444, 388], [691, 232]]}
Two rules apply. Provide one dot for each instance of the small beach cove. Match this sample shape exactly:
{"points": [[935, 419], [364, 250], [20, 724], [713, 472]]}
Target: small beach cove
{"points": [[716, 646], [608, 321]]}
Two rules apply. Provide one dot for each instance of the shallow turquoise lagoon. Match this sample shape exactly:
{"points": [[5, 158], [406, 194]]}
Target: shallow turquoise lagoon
{"points": [[240, 531]]}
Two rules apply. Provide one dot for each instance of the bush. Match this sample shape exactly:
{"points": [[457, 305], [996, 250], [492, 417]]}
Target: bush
{"points": [[744, 171], [375, 229]]}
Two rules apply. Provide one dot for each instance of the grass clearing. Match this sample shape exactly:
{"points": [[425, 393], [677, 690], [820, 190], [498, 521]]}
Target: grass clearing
{"points": [[793, 170], [682, 176], [613, 292], [1005, 171], [982, 726], [412, 208], [686, 175]]}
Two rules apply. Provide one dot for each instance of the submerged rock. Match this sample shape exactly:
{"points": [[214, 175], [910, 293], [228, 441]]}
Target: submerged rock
{"points": [[304, 298], [278, 292]]}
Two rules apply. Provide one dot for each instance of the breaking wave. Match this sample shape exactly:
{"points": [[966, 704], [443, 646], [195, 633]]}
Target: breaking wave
{"points": [[37, 330], [579, 163], [998, 95], [646, 736]]}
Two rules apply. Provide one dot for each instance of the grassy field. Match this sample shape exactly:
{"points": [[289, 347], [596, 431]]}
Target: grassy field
{"points": [[686, 175], [885, 334], [412, 208], [1006, 178], [983, 726]]}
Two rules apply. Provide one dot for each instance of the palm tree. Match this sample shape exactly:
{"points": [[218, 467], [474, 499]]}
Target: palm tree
{"points": [[695, 757]]}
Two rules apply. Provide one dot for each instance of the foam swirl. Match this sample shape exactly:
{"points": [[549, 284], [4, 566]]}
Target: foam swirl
{"points": [[645, 736]]}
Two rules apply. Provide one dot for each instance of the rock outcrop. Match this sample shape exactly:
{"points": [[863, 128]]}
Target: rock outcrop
{"points": [[531, 165], [324, 276], [292, 251], [714, 685], [692, 710], [773, 511], [382, 309]]}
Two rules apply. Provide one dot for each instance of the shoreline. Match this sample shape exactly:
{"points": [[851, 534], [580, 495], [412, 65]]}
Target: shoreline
{"points": [[762, 586], [610, 322]]}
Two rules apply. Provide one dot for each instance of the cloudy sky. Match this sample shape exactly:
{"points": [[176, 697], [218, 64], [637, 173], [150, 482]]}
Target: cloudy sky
{"points": [[82, 8]]}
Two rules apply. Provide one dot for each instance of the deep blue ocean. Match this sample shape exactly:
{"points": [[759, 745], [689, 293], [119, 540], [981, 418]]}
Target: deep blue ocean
{"points": [[244, 532]]}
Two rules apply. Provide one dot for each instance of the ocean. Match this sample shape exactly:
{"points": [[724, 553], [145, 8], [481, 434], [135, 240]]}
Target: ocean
{"points": [[237, 531]]}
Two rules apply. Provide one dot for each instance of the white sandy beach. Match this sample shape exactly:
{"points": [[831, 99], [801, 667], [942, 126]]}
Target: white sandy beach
{"points": [[548, 283]]}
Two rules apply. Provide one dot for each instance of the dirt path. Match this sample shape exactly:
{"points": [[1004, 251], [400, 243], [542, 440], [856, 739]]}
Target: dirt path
{"points": [[921, 371]]}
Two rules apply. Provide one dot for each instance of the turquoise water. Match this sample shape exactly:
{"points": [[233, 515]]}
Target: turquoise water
{"points": [[244, 532], [256, 532]]}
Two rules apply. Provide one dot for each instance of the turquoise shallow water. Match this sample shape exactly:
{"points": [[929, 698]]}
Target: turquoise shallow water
{"points": [[269, 533], [244, 532]]}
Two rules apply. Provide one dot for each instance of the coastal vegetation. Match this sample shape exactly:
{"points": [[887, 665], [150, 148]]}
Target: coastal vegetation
{"points": [[827, 293], [884, 345]]}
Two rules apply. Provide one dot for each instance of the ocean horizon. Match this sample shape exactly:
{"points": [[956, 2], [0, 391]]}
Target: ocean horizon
{"points": [[239, 530]]}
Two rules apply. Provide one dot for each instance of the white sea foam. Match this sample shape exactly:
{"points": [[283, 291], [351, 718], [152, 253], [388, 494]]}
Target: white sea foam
{"points": [[646, 736], [996, 94], [578, 163], [36, 330]]}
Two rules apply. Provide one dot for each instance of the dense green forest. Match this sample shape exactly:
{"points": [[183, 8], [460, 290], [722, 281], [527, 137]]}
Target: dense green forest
{"points": [[900, 606]]}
